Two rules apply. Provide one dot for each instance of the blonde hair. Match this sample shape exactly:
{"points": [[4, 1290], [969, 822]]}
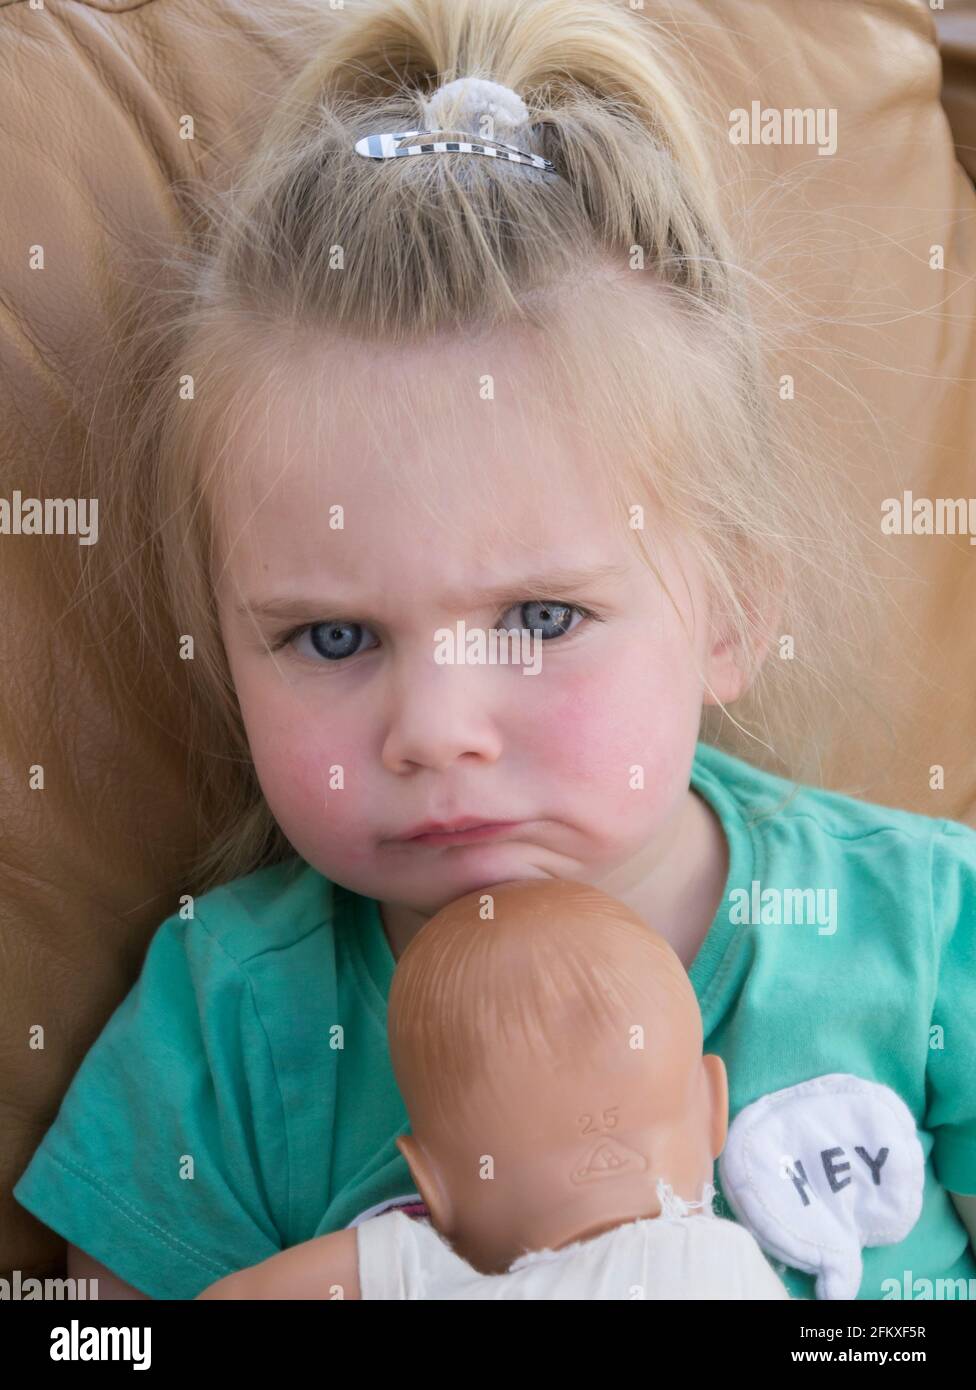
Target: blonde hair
{"points": [[557, 978], [464, 244]]}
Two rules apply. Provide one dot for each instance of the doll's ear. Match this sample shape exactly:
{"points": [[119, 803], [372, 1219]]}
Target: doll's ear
{"points": [[717, 1079], [427, 1178]]}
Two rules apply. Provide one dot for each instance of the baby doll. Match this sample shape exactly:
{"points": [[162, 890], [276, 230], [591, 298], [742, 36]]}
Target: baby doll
{"points": [[548, 1047]]}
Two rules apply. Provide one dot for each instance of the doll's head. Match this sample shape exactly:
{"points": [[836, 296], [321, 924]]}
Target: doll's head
{"points": [[407, 394], [548, 1048]]}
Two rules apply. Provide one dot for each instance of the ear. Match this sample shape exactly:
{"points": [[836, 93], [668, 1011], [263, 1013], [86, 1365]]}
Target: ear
{"points": [[717, 1080], [730, 669], [429, 1183]]}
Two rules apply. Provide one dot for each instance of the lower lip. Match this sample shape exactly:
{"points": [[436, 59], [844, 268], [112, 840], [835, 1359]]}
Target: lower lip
{"points": [[463, 837]]}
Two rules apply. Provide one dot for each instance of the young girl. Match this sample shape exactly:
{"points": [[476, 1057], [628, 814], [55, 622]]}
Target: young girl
{"points": [[421, 397]]}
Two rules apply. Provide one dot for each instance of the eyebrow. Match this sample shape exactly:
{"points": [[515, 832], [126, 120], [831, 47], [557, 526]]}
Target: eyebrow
{"points": [[553, 584]]}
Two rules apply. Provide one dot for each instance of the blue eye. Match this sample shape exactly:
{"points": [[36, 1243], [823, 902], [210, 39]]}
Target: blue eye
{"points": [[549, 619], [334, 640]]}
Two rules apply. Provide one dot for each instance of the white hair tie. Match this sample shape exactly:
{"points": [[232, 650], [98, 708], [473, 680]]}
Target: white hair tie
{"points": [[470, 99]]}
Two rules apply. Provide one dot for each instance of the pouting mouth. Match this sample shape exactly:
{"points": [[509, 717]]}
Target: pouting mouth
{"points": [[458, 827]]}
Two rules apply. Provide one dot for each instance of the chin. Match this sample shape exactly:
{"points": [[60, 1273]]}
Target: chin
{"points": [[490, 865]]}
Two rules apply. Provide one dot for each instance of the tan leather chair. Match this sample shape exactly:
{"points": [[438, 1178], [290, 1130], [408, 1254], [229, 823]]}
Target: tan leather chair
{"points": [[90, 118]]}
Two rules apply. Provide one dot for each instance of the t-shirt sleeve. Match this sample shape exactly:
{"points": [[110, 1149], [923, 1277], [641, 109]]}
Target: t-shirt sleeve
{"points": [[951, 1062], [152, 1165]]}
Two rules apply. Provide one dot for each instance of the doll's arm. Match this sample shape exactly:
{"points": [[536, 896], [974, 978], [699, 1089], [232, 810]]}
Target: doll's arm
{"points": [[326, 1267], [966, 1207]]}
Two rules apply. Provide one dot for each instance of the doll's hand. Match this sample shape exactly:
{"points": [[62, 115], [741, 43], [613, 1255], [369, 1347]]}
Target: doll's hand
{"points": [[326, 1267]]}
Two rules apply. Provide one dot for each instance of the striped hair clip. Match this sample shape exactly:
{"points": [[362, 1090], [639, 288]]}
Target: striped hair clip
{"points": [[405, 142]]}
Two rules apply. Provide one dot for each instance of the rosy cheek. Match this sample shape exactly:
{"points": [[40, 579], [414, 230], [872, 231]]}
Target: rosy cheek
{"points": [[581, 729], [598, 728], [314, 787]]}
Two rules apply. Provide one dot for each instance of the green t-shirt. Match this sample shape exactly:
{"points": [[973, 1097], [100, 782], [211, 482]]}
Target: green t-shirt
{"points": [[241, 1100]]}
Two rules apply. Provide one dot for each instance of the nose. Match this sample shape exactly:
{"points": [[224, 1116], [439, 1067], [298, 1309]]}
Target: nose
{"points": [[438, 714]]}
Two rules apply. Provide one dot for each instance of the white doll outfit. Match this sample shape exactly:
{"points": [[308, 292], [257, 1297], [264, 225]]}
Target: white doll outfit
{"points": [[680, 1254]]}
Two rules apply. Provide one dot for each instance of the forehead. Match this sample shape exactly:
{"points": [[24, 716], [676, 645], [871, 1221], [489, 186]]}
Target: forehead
{"points": [[459, 455]]}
